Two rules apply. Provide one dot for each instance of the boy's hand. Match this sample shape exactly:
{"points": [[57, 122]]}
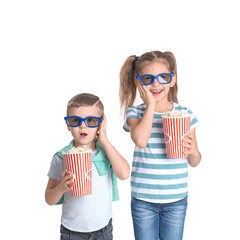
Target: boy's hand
{"points": [[66, 182], [119, 165], [55, 189], [102, 135]]}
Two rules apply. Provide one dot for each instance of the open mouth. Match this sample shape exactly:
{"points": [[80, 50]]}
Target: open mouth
{"points": [[83, 134], [156, 92]]}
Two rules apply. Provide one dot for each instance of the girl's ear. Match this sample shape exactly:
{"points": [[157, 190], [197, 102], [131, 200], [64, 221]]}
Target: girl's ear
{"points": [[172, 83], [136, 81]]}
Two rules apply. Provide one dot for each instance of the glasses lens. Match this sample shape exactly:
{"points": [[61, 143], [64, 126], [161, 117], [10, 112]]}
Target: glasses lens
{"points": [[164, 78], [146, 79], [74, 121], [92, 122]]}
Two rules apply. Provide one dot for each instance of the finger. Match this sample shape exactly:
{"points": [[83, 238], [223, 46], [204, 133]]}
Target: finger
{"points": [[142, 88], [144, 92], [187, 150], [64, 173], [187, 139], [187, 145], [190, 135], [70, 181], [70, 186], [145, 89], [68, 177], [104, 121]]}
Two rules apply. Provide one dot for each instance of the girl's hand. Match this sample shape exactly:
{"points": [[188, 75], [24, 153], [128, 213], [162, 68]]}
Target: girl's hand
{"points": [[146, 95], [190, 142], [66, 182], [102, 134]]}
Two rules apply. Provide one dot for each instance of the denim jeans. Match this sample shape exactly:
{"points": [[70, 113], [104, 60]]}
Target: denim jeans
{"points": [[153, 221], [102, 234]]}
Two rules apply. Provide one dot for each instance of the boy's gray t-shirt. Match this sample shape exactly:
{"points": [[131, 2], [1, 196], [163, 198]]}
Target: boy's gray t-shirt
{"points": [[85, 213]]}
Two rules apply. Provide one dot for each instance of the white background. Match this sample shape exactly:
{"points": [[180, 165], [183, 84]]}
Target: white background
{"points": [[52, 50]]}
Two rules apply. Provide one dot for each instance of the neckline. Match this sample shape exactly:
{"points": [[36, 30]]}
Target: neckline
{"points": [[161, 113]]}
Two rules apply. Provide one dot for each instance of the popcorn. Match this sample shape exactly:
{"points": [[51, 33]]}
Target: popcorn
{"points": [[78, 163], [176, 125], [83, 149], [176, 114]]}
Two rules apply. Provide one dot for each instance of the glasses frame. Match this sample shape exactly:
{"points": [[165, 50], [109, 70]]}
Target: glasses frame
{"points": [[155, 77], [83, 120]]}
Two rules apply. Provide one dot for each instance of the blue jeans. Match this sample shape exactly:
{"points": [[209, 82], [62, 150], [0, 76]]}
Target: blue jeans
{"points": [[102, 234], [153, 221]]}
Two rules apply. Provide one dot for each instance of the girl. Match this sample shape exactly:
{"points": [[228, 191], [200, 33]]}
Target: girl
{"points": [[158, 184]]}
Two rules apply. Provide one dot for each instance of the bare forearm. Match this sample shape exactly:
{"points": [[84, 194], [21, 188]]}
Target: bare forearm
{"points": [[190, 142], [141, 133], [119, 165], [52, 196], [194, 159]]}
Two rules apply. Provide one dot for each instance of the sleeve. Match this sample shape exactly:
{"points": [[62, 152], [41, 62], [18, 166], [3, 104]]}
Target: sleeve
{"points": [[56, 168], [194, 120], [132, 112]]}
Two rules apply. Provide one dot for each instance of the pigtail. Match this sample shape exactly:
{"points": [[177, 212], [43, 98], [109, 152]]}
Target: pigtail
{"points": [[127, 90], [172, 95]]}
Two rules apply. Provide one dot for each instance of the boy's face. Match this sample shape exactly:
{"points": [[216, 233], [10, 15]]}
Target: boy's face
{"points": [[84, 135]]}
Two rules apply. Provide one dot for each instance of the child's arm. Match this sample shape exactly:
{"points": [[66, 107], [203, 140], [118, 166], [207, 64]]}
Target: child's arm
{"points": [[141, 129], [190, 142], [119, 164], [55, 189]]}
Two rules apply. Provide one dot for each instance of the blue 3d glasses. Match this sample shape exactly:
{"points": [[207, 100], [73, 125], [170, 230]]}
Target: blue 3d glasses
{"points": [[75, 121], [148, 79]]}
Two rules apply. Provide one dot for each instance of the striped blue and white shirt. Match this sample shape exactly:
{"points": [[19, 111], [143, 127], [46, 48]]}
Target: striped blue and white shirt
{"points": [[155, 177]]}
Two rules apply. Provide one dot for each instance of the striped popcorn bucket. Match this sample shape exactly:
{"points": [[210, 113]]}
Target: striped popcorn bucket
{"points": [[79, 165], [175, 128]]}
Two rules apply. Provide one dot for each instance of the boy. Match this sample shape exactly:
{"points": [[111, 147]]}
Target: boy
{"points": [[87, 217]]}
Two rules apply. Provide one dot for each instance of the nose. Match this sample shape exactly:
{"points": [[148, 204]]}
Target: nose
{"points": [[82, 125], [155, 82]]}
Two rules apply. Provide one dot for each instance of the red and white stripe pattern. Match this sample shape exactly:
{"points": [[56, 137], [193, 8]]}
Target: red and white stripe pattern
{"points": [[175, 128], [80, 166]]}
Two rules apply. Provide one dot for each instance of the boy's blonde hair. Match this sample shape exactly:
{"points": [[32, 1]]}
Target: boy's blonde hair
{"points": [[132, 67], [86, 99]]}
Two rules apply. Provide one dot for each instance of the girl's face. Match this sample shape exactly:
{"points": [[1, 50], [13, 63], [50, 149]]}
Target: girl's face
{"points": [[159, 91], [84, 135]]}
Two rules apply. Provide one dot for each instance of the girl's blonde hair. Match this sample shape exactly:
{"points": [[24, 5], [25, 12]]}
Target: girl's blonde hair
{"points": [[132, 67], [86, 99]]}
